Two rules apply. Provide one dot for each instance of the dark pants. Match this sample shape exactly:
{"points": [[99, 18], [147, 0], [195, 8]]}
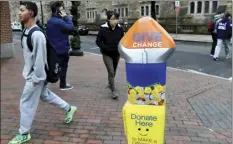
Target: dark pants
{"points": [[111, 64], [64, 60], [214, 38]]}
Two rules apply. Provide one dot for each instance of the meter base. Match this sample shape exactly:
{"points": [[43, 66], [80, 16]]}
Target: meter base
{"points": [[144, 124]]}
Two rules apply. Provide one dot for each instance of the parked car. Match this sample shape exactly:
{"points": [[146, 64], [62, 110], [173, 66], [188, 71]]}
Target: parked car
{"points": [[16, 26], [83, 30]]}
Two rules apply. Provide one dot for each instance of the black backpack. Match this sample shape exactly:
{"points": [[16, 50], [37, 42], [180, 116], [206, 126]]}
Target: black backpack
{"points": [[53, 70]]}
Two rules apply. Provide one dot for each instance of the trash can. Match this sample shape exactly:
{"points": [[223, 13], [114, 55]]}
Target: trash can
{"points": [[146, 47]]}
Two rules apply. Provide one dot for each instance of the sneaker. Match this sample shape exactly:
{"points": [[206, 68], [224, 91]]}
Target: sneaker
{"points": [[211, 55], [20, 139], [70, 114], [114, 95], [67, 87], [215, 59], [228, 56]]}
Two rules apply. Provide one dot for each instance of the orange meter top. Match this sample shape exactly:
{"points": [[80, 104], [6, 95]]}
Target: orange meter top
{"points": [[147, 33]]}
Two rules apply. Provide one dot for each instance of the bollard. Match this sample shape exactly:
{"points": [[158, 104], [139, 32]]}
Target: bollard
{"points": [[145, 47]]}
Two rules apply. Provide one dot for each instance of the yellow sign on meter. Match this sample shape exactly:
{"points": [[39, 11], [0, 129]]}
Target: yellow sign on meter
{"points": [[144, 124]]}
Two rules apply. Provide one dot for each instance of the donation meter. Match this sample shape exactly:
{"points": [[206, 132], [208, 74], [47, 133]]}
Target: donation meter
{"points": [[146, 47]]}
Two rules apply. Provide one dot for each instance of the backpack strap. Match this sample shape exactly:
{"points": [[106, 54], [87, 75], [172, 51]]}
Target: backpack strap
{"points": [[23, 34], [22, 37], [29, 35]]}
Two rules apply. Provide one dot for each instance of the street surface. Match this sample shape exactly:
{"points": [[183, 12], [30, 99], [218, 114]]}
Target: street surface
{"points": [[198, 106], [188, 55], [192, 56]]}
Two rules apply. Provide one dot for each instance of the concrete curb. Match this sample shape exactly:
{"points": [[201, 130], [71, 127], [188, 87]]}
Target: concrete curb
{"points": [[173, 38], [192, 41]]}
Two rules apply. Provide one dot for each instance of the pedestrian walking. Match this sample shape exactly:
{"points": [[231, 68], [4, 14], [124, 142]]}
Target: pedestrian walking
{"points": [[58, 28], [38, 23], [34, 73], [224, 34], [212, 28], [107, 40]]}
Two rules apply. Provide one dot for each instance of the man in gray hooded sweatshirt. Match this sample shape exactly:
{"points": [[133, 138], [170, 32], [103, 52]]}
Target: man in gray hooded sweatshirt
{"points": [[35, 76], [216, 19]]}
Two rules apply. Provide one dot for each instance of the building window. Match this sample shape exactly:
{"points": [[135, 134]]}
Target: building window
{"points": [[126, 12], [147, 10], [199, 6], [215, 6], [207, 6], [192, 7], [122, 12], [157, 10], [91, 14], [142, 10]]}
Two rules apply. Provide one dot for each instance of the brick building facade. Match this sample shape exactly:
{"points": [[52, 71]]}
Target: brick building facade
{"points": [[14, 5], [91, 11], [6, 40], [192, 18]]}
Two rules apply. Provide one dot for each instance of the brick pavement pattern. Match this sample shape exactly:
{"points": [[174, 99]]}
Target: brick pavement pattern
{"points": [[99, 118]]}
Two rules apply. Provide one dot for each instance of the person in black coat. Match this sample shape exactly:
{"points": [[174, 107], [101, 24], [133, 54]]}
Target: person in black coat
{"points": [[107, 40], [39, 24]]}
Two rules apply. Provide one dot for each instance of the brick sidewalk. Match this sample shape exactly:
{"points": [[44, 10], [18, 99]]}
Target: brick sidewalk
{"points": [[194, 101]]}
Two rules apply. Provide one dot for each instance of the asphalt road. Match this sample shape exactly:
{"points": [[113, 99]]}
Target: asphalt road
{"points": [[188, 55], [192, 56]]}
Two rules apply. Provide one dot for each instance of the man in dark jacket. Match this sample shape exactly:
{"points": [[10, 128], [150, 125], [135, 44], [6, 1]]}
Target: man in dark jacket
{"points": [[58, 27], [107, 40], [224, 33]]}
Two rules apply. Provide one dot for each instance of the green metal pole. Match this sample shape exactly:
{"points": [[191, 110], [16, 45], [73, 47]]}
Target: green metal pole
{"points": [[153, 11], [42, 14]]}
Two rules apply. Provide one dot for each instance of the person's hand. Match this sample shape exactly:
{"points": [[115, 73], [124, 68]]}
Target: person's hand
{"points": [[63, 14]]}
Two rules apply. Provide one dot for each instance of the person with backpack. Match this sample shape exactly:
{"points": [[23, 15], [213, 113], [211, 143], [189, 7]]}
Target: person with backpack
{"points": [[58, 28], [37, 73], [224, 34], [107, 40], [212, 30]]}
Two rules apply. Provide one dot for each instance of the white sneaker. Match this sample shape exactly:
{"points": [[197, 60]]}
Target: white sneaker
{"points": [[228, 56], [215, 59]]}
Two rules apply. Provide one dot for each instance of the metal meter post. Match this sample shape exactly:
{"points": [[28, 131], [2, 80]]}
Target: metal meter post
{"points": [[146, 48]]}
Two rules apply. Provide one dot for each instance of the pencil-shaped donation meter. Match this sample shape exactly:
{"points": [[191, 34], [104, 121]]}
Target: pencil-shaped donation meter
{"points": [[146, 48]]}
